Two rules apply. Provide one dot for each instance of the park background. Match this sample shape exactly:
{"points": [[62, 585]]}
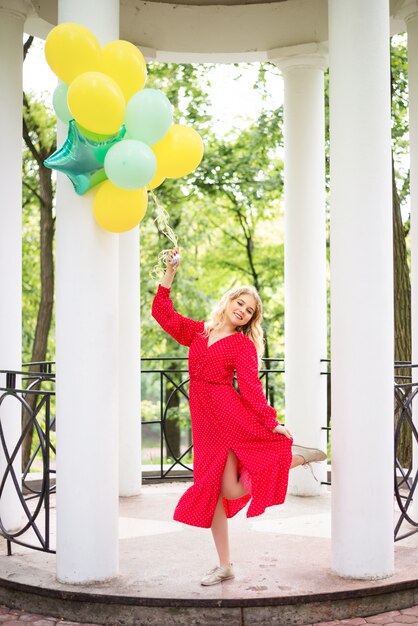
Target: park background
{"points": [[228, 215]]}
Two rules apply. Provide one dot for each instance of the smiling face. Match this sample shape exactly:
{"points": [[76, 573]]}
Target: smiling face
{"points": [[240, 310]]}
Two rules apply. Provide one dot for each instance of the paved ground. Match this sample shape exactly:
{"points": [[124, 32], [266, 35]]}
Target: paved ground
{"points": [[9, 617], [285, 552]]}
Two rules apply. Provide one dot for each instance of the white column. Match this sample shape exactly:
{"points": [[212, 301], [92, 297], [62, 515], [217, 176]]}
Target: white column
{"points": [[305, 254], [410, 14], [87, 363], [129, 365], [362, 349], [12, 16]]}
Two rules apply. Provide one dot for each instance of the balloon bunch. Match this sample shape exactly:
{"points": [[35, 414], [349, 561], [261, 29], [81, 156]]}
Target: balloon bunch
{"points": [[120, 134]]}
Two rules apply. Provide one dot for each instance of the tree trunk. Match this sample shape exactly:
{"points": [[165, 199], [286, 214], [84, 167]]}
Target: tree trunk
{"points": [[402, 310], [172, 424], [43, 323]]}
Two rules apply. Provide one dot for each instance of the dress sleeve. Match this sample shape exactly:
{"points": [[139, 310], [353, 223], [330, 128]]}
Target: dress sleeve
{"points": [[251, 388], [181, 328]]}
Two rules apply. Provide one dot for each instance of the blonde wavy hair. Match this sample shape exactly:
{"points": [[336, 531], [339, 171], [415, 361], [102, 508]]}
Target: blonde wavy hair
{"points": [[252, 329]]}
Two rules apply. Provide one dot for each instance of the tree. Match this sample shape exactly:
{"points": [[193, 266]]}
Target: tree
{"points": [[223, 213], [224, 216], [400, 178], [400, 192], [40, 139]]}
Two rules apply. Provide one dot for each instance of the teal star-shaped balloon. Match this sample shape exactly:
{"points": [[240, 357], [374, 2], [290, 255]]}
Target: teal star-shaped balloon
{"points": [[82, 158]]}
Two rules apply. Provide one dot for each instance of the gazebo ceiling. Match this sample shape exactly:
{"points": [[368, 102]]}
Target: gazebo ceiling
{"points": [[210, 30], [205, 3]]}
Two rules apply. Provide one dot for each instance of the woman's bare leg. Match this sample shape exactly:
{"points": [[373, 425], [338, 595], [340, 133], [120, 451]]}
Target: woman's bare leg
{"points": [[220, 535], [231, 486], [232, 489]]}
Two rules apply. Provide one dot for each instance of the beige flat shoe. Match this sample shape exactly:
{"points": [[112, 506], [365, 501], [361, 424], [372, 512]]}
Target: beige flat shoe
{"points": [[217, 574], [310, 455]]}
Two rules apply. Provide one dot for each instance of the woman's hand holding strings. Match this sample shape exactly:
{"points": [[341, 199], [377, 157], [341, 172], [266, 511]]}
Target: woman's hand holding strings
{"points": [[172, 262]]}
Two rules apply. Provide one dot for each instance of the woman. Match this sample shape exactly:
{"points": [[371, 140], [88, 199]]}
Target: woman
{"points": [[241, 453]]}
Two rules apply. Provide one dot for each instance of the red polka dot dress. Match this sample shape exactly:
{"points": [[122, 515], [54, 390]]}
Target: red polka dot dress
{"points": [[223, 420]]}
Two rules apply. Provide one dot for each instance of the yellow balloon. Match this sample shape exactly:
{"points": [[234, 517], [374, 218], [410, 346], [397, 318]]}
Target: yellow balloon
{"points": [[97, 103], [123, 62], [180, 152], [156, 181], [119, 210], [71, 49]]}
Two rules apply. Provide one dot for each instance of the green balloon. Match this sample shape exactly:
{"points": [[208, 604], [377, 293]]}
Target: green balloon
{"points": [[148, 116], [130, 164], [81, 159], [59, 102]]}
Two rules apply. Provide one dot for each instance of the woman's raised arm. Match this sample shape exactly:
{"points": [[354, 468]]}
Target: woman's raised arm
{"points": [[181, 328]]}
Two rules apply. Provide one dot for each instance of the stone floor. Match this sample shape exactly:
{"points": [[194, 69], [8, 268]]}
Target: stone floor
{"points": [[278, 557], [14, 617]]}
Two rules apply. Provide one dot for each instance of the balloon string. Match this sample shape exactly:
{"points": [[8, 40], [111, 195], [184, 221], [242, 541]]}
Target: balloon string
{"points": [[162, 220]]}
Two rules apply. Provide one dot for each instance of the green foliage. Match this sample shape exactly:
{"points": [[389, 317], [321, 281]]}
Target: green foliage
{"points": [[31, 286], [400, 125], [41, 124], [41, 128], [185, 85], [227, 214]]}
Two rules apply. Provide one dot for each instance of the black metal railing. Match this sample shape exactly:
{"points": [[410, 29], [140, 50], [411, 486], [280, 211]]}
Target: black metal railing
{"points": [[326, 371], [172, 428], [33, 391], [165, 410], [406, 444]]}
